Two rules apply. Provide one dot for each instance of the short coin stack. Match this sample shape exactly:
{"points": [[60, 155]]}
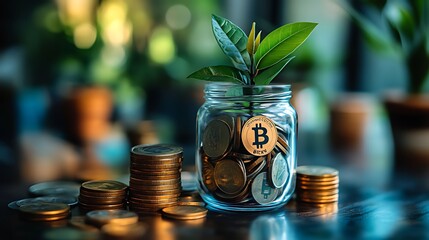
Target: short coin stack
{"points": [[155, 177], [102, 195], [317, 184], [41, 211]]}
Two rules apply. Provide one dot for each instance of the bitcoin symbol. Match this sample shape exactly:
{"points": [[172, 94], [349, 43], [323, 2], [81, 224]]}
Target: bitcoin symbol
{"points": [[259, 135], [256, 129]]}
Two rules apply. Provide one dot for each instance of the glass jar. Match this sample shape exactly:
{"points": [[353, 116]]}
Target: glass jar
{"points": [[246, 147]]}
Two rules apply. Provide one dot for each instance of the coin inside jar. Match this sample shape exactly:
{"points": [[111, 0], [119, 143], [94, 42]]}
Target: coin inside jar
{"points": [[216, 138], [230, 176], [262, 192], [278, 171], [259, 135]]}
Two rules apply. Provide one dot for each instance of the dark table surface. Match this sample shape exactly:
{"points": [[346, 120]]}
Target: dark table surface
{"points": [[374, 203]]}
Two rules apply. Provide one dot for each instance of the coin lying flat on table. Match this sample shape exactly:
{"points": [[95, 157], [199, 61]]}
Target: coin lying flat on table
{"points": [[69, 200], [55, 188], [184, 212], [41, 211], [120, 217]]}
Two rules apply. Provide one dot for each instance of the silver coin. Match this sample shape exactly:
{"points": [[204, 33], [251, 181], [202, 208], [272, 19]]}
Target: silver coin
{"points": [[109, 214], [261, 190], [279, 171], [13, 205], [55, 188], [156, 150], [69, 200]]}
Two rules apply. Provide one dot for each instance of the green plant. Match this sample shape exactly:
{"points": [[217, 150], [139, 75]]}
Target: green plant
{"points": [[255, 62], [404, 29]]}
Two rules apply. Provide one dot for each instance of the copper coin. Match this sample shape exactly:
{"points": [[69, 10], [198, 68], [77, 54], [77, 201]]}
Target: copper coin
{"points": [[237, 133], [157, 150], [316, 171], [154, 182], [254, 164], [216, 138], [185, 212], [230, 176], [137, 188], [156, 192], [259, 135], [106, 186], [208, 176]]}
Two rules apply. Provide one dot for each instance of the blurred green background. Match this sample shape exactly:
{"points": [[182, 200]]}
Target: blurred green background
{"points": [[128, 60]]}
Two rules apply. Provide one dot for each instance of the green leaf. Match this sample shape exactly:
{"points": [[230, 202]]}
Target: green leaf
{"points": [[267, 75], [280, 43], [401, 19], [258, 40], [232, 40], [219, 74], [251, 40]]}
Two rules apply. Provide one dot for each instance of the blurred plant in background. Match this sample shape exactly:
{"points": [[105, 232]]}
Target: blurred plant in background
{"points": [[123, 44], [402, 27]]}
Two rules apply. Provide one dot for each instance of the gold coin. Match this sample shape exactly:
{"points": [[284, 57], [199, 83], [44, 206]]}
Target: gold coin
{"points": [[46, 218], [316, 171], [236, 197], [99, 200], [138, 188], [137, 181], [216, 138], [154, 173], [317, 180], [237, 133], [317, 197], [104, 186], [119, 217], [196, 203], [254, 164], [320, 188], [157, 150], [259, 135], [318, 200], [80, 222], [101, 206], [184, 212], [47, 209], [208, 175], [148, 177], [156, 192], [132, 231], [318, 192], [229, 176], [317, 183]]}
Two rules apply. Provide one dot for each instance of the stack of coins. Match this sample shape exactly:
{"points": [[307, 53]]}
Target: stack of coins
{"points": [[317, 184], [102, 194], [120, 217], [155, 177], [42, 211], [245, 159]]}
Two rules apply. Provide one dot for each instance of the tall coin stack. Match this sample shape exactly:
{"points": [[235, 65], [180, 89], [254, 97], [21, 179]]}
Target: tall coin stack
{"points": [[317, 184], [103, 195], [155, 180]]}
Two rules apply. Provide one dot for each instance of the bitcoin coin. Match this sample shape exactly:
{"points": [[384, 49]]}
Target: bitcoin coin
{"points": [[278, 171], [259, 135], [262, 192], [216, 138], [230, 176], [185, 212], [55, 188], [119, 217]]}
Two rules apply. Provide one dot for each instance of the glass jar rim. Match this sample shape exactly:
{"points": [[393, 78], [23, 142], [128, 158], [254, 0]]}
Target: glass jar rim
{"points": [[233, 91]]}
